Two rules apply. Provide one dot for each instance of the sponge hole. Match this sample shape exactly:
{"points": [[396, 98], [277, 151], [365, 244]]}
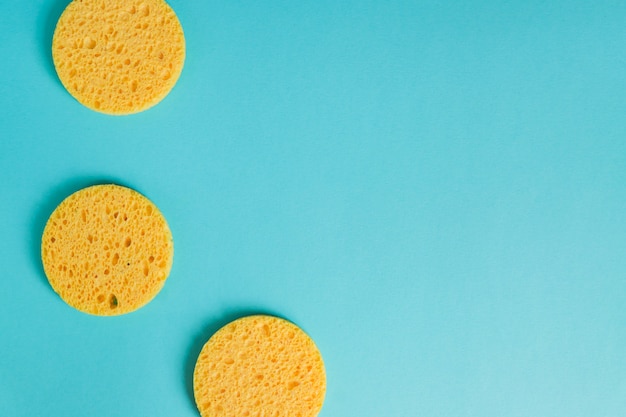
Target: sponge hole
{"points": [[89, 43], [113, 303]]}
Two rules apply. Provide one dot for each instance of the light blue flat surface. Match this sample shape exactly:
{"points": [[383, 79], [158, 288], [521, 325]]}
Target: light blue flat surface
{"points": [[435, 191]]}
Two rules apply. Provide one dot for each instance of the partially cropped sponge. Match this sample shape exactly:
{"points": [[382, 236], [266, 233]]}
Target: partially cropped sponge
{"points": [[107, 250], [118, 56], [259, 366]]}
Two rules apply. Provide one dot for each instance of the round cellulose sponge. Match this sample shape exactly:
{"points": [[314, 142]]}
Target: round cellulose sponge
{"points": [[259, 366], [118, 56], [107, 250]]}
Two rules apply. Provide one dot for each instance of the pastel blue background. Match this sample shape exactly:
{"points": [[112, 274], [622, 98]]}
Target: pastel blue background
{"points": [[434, 190]]}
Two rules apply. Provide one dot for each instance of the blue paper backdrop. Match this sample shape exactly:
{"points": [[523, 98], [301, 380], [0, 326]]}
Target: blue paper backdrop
{"points": [[434, 190]]}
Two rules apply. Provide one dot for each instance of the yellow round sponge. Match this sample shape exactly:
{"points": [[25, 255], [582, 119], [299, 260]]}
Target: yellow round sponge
{"points": [[118, 56], [259, 366], [107, 250]]}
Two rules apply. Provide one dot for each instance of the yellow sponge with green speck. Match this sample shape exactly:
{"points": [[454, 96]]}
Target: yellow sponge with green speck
{"points": [[107, 250]]}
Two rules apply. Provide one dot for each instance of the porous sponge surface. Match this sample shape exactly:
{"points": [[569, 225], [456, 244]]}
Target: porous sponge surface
{"points": [[259, 366], [107, 250], [118, 56]]}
